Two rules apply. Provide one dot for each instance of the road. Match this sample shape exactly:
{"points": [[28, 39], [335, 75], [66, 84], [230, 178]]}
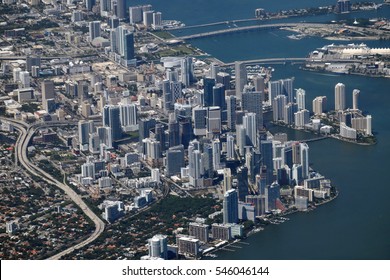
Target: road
{"points": [[22, 143]]}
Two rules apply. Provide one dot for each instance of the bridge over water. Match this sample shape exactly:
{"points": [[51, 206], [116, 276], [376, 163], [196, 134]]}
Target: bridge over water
{"points": [[255, 27]]}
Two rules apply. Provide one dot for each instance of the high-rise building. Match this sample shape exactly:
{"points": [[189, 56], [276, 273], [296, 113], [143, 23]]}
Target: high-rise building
{"points": [[89, 4], [241, 139], [32, 61], [339, 97], [355, 99], [208, 84], [241, 78], [289, 110], [230, 154], [199, 115], [148, 18], [135, 14], [259, 84], [274, 89], [304, 153], [199, 231], [227, 180], [287, 89], [128, 116], [224, 78], [242, 182], [128, 44], [158, 246], [343, 6], [216, 145], [157, 20], [253, 103], [175, 160], [111, 118], [94, 29], [187, 71], [230, 207], [301, 94], [84, 129], [266, 151], [249, 121], [231, 111], [214, 120], [278, 104], [121, 9], [301, 118], [319, 105]]}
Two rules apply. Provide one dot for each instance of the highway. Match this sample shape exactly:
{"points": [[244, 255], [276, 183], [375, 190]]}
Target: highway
{"points": [[22, 143]]}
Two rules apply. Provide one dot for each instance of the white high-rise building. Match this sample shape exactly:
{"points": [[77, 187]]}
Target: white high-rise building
{"points": [[25, 79], [249, 122], [355, 99], [339, 97], [319, 105], [274, 89], [301, 118], [128, 116], [278, 104], [230, 146], [241, 139], [304, 153], [158, 246], [301, 97]]}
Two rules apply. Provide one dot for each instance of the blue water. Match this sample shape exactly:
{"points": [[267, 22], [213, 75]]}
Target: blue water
{"points": [[357, 224]]}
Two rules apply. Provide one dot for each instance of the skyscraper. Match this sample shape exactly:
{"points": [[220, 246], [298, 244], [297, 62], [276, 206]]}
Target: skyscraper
{"points": [[230, 147], [301, 94], [216, 154], [111, 118], [278, 104], [249, 121], [94, 29], [339, 97], [122, 12], [128, 44], [230, 207], [231, 111], [252, 102], [319, 105], [355, 99], [287, 89], [267, 160], [128, 116], [241, 78], [208, 84]]}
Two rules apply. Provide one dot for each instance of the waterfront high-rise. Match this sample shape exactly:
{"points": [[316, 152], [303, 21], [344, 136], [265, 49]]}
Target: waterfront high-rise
{"points": [[355, 99], [339, 97], [319, 105], [278, 104], [301, 94], [230, 207]]}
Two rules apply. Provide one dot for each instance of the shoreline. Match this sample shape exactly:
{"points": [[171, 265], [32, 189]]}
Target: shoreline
{"points": [[211, 254]]}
